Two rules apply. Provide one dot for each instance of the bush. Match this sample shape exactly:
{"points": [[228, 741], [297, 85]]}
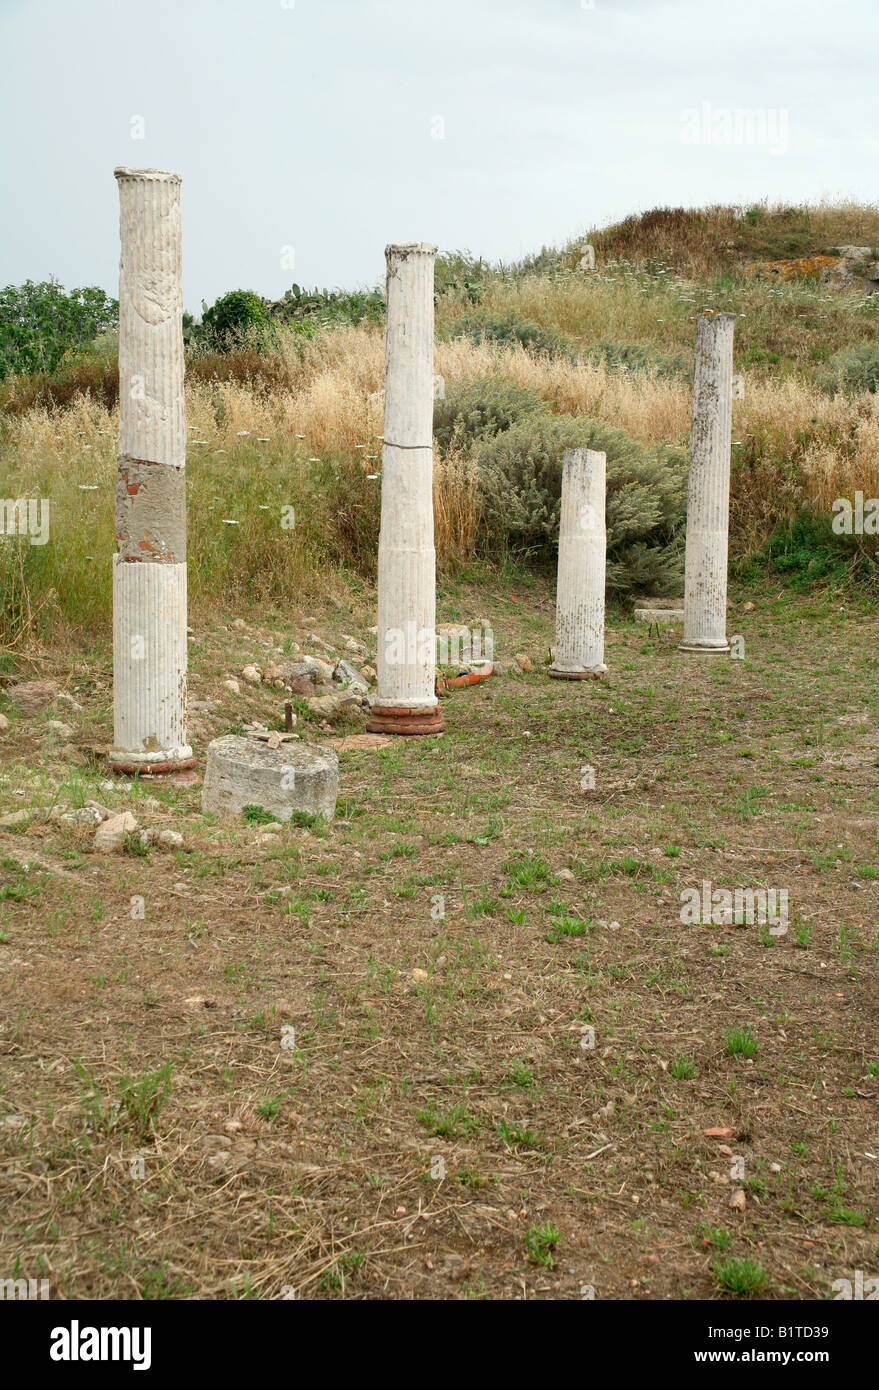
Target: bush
{"points": [[41, 324], [854, 369], [807, 553], [519, 474], [236, 317], [90, 373], [509, 330], [308, 311], [481, 408], [637, 357]]}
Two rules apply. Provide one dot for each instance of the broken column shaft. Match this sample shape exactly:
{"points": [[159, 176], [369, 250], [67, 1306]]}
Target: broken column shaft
{"points": [[149, 567], [579, 622], [405, 702], [705, 566]]}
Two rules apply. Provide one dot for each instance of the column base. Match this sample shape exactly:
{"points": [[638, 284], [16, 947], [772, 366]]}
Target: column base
{"points": [[705, 648], [391, 720], [132, 766], [592, 673]]}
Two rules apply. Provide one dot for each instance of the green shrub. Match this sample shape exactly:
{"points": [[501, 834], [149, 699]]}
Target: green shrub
{"points": [[806, 552], [519, 473], [40, 324], [461, 276], [234, 318], [481, 408], [638, 357], [854, 369], [309, 311], [509, 330]]}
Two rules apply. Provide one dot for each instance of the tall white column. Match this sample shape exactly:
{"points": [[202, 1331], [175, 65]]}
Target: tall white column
{"points": [[405, 702], [705, 565], [149, 567], [579, 620]]}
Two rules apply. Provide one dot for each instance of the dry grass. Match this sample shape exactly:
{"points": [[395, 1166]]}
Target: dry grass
{"points": [[303, 428]]}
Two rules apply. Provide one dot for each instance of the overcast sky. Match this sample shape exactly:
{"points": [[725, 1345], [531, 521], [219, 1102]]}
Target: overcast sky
{"points": [[316, 131]]}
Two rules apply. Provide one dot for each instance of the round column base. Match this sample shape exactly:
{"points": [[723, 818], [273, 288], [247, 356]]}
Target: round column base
{"points": [[134, 767], [594, 673], [409, 722], [705, 648]]}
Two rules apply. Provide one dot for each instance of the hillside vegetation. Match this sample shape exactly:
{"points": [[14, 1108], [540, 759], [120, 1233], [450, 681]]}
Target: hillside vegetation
{"points": [[285, 407]]}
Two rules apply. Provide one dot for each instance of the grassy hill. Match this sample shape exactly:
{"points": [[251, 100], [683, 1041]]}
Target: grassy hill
{"points": [[546, 350]]}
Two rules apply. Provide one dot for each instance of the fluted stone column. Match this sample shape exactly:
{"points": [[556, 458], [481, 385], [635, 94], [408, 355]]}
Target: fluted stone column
{"points": [[149, 567], [405, 702], [579, 619], [705, 565]]}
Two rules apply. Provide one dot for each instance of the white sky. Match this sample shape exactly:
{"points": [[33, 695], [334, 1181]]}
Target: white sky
{"points": [[309, 124]]}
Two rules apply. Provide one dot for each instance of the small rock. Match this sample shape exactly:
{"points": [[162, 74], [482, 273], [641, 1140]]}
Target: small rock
{"points": [[233, 686], [334, 706], [566, 875], [367, 742], [83, 815], [368, 673], [737, 1200], [300, 685], [32, 697], [110, 835], [14, 818], [69, 700], [252, 675], [719, 1132], [70, 754], [170, 839], [314, 667], [524, 663], [420, 977], [775, 1167], [4, 723], [59, 727], [748, 607], [346, 675], [237, 624]]}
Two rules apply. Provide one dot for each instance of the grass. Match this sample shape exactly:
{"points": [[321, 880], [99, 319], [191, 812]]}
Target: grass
{"points": [[740, 1278], [540, 1241]]}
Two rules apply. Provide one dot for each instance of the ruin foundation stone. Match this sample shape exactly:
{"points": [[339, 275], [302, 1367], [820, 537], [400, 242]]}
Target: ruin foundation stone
{"points": [[246, 772]]}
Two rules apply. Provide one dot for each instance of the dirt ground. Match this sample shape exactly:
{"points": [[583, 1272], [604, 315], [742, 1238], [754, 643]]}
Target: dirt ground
{"points": [[506, 1046]]}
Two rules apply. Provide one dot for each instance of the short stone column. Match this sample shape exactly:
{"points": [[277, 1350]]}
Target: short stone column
{"points": [[705, 565], [579, 620], [405, 701], [149, 567]]}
